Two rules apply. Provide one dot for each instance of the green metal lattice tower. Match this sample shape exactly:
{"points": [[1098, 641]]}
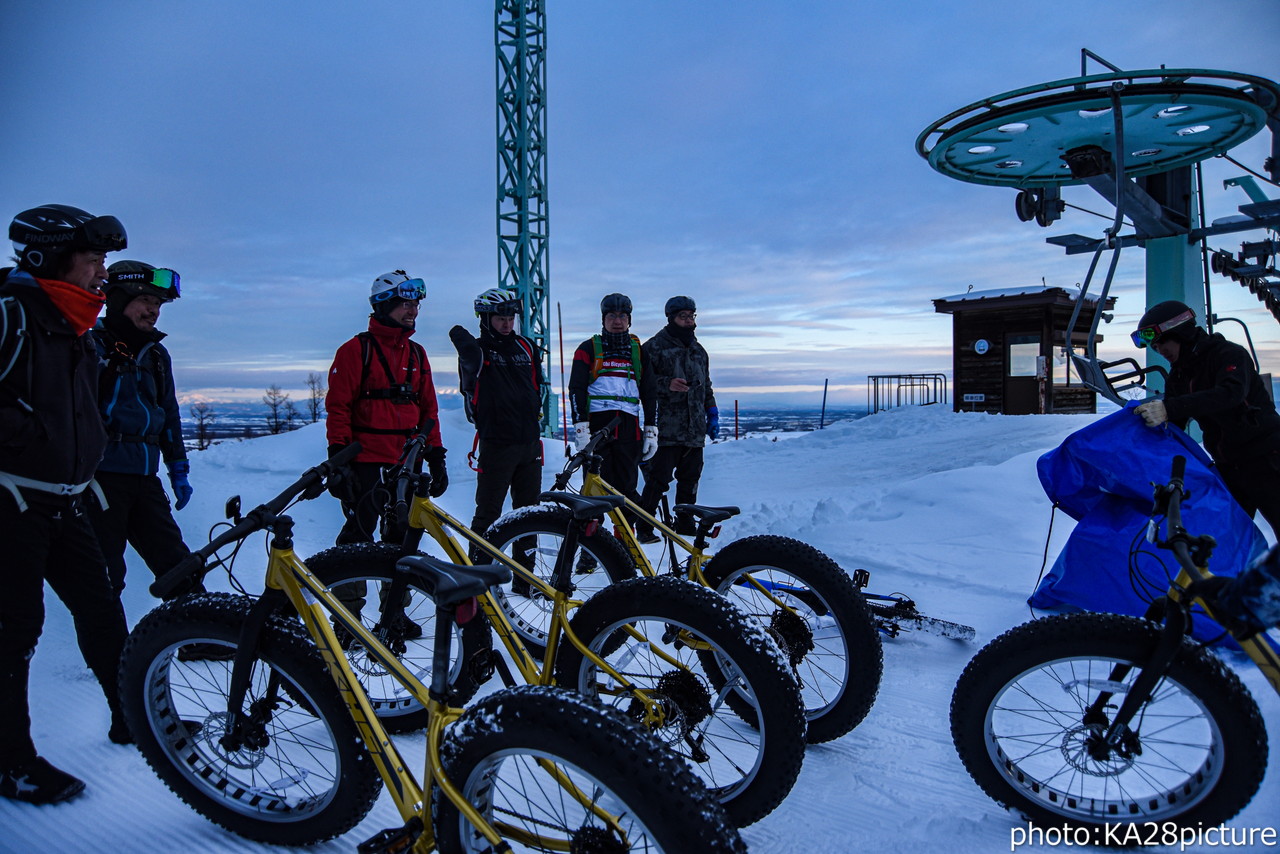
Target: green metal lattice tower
{"points": [[521, 41]]}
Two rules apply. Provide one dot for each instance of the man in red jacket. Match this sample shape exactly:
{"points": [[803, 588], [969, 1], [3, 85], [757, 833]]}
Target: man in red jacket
{"points": [[380, 394]]}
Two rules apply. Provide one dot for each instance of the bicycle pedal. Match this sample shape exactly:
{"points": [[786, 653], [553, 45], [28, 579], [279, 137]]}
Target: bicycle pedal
{"points": [[393, 840]]}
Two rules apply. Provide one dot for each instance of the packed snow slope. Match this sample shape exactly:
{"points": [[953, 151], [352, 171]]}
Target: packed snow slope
{"points": [[943, 507]]}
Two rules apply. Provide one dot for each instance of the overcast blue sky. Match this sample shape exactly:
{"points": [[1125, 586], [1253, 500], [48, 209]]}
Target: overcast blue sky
{"points": [[757, 156]]}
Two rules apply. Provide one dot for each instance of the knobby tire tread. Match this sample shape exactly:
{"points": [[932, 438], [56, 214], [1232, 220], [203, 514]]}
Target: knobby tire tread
{"points": [[1226, 698], [865, 653], [290, 651], [740, 640]]}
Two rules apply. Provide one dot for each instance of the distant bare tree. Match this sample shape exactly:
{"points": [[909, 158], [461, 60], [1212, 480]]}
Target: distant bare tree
{"points": [[291, 415], [315, 395], [277, 411], [205, 416]]}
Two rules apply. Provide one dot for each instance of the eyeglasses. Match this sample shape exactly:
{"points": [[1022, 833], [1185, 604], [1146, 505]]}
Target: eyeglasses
{"points": [[104, 233], [1147, 335], [163, 279], [411, 289], [686, 315]]}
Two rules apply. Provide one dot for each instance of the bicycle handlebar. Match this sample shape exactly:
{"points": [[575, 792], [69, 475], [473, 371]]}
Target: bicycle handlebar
{"points": [[255, 520], [598, 438]]}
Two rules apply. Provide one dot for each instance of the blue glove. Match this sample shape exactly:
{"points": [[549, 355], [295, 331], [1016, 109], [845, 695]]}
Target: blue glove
{"points": [[713, 422], [182, 491]]}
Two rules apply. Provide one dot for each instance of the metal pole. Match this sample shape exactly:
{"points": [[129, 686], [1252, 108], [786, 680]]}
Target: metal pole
{"points": [[822, 417]]}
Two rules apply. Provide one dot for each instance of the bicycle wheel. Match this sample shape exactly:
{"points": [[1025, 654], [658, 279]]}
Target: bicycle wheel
{"points": [[373, 564], [532, 537], [502, 755], [826, 630], [703, 651], [1195, 753], [302, 774]]}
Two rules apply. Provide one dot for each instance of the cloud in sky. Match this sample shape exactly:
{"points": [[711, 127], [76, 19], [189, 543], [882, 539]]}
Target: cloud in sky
{"points": [[757, 156]]}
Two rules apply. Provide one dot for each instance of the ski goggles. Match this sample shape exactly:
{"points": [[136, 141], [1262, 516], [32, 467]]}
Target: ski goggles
{"points": [[103, 233], [163, 279], [414, 289], [1147, 335]]}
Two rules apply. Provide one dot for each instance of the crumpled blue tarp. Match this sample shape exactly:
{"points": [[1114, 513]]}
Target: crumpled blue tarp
{"points": [[1103, 476]]}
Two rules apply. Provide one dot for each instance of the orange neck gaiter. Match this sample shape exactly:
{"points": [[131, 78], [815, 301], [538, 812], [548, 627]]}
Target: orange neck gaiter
{"points": [[78, 306]]}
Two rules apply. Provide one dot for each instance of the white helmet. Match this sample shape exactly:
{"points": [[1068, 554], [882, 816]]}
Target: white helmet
{"points": [[396, 284], [498, 301]]}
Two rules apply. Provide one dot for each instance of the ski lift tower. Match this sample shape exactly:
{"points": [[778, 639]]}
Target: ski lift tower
{"points": [[520, 34], [1134, 137]]}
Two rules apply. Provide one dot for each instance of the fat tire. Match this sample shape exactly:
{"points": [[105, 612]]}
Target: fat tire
{"points": [[196, 768], [856, 658], [1240, 740], [778, 729], [373, 561], [531, 619], [653, 787]]}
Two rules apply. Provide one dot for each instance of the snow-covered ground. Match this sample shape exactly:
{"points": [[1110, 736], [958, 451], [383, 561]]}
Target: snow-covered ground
{"points": [[943, 507]]}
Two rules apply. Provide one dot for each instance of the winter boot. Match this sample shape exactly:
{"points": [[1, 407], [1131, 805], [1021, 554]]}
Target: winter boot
{"points": [[38, 782]]}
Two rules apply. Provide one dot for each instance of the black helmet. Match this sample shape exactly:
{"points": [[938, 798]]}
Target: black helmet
{"points": [[675, 305], [135, 278], [42, 234], [1168, 319], [617, 303]]}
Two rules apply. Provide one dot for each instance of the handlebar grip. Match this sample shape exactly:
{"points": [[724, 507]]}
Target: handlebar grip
{"points": [[174, 579], [1179, 467], [344, 456]]}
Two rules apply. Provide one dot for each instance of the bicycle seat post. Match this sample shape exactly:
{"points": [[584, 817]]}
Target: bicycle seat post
{"points": [[440, 652]]}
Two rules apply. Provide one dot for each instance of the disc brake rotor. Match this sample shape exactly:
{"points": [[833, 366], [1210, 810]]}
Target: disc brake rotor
{"points": [[1079, 748]]}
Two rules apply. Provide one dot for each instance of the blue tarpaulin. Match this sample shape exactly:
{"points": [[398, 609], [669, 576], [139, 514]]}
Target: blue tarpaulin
{"points": [[1103, 476]]}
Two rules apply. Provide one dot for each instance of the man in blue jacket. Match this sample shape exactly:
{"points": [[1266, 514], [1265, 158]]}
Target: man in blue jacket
{"points": [[140, 410]]}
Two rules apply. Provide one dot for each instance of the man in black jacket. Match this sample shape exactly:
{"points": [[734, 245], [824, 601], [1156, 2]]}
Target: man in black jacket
{"points": [[51, 439], [1214, 382], [687, 412], [501, 389]]}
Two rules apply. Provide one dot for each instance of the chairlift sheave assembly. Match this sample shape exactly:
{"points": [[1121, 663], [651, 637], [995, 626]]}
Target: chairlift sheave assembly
{"points": [[1105, 130]]}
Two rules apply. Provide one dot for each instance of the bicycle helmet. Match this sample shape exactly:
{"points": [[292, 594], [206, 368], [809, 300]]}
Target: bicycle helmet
{"points": [[675, 305], [500, 301], [135, 278], [618, 303], [43, 237]]}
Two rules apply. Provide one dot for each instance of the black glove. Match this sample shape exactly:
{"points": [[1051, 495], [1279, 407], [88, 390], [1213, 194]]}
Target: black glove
{"points": [[342, 482], [439, 474]]}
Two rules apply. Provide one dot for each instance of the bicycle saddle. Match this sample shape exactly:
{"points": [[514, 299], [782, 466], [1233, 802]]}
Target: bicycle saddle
{"points": [[450, 583], [584, 507], [708, 514]]}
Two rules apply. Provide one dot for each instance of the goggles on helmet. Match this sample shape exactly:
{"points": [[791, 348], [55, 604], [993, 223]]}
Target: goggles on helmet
{"points": [[1147, 335], [414, 289], [103, 233], [165, 280]]}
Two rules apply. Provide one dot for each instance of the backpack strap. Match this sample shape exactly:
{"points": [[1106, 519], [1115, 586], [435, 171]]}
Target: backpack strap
{"points": [[14, 340], [369, 347]]}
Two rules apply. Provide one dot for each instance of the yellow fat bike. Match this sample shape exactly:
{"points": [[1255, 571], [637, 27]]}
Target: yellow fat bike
{"points": [[807, 603], [674, 658], [247, 709], [1119, 724]]}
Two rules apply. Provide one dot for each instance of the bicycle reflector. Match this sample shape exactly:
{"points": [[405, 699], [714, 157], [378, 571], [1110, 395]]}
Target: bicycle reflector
{"points": [[1147, 335]]}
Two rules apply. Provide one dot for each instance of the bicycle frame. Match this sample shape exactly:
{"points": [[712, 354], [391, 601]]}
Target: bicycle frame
{"points": [[289, 581], [425, 517]]}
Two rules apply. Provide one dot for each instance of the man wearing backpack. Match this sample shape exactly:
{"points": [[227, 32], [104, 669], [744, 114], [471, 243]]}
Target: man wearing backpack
{"points": [[609, 378], [687, 413], [51, 439], [501, 390], [380, 394], [139, 406]]}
